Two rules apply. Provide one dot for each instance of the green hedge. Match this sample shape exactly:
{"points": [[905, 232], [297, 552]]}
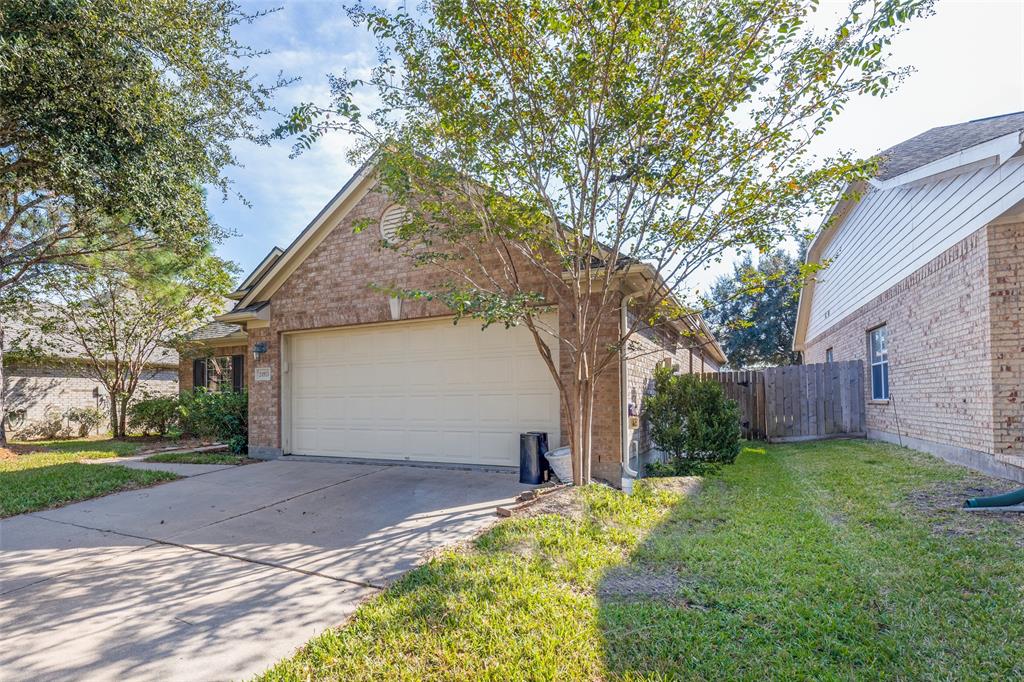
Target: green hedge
{"points": [[204, 414], [693, 422]]}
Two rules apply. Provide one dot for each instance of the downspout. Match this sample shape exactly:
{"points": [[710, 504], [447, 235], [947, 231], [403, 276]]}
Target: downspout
{"points": [[628, 472]]}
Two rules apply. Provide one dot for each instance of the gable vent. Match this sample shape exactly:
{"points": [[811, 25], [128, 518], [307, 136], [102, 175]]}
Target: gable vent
{"points": [[394, 217]]}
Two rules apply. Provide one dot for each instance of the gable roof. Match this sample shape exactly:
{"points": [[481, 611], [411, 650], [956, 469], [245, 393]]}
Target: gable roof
{"points": [[257, 274], [944, 141], [213, 331], [943, 150], [310, 237], [257, 289]]}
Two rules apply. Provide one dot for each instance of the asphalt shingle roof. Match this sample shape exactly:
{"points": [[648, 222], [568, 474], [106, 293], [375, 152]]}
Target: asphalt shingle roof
{"points": [[214, 330], [945, 140]]}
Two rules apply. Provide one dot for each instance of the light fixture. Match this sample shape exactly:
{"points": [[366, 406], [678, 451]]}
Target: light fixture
{"points": [[258, 349]]}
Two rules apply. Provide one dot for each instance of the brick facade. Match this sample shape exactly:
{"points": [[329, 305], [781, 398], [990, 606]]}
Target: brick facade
{"points": [[954, 349], [185, 376], [34, 392], [1006, 318], [648, 348], [338, 284]]}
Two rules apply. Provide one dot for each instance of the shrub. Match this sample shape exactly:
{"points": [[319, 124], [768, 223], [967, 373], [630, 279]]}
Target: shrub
{"points": [[87, 418], [220, 415], [154, 414], [51, 426], [693, 422]]}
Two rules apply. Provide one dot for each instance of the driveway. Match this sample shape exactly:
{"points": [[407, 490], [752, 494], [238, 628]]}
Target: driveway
{"points": [[216, 576]]}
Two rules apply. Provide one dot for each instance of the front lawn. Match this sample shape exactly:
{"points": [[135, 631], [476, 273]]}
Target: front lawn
{"points": [[831, 560], [199, 458], [42, 475]]}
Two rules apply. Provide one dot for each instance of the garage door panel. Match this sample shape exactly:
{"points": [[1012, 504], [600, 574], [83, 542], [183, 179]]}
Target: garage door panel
{"points": [[419, 391], [535, 408]]}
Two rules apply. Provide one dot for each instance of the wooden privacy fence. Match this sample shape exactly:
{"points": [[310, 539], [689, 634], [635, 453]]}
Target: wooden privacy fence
{"points": [[746, 387], [798, 402]]}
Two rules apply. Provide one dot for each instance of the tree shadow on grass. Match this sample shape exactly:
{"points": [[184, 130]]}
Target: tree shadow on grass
{"points": [[649, 606], [46, 487]]}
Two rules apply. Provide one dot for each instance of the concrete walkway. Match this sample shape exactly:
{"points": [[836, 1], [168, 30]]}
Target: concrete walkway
{"points": [[138, 462], [217, 576]]}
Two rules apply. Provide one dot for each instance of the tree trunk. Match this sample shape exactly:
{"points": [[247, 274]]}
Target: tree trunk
{"points": [[123, 424], [114, 417], [3, 393]]}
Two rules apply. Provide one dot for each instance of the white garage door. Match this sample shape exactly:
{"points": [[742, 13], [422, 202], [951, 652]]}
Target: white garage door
{"points": [[427, 391]]}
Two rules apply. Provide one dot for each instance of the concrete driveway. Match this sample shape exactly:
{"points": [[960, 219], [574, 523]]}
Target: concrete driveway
{"points": [[216, 576]]}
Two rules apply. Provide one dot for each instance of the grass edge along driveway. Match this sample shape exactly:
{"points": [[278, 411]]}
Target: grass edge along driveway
{"points": [[839, 559], [53, 475]]}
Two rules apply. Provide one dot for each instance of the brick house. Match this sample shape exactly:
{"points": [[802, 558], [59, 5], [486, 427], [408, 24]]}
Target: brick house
{"points": [[51, 383], [335, 367], [924, 285]]}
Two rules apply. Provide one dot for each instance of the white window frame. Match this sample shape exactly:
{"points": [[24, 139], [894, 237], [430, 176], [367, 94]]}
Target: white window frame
{"points": [[828, 355], [879, 357]]}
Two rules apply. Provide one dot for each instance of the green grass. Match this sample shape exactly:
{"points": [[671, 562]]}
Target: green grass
{"points": [[88, 448], [54, 476], [832, 560], [199, 458]]}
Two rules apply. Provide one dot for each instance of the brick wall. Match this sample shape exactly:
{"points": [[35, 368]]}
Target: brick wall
{"points": [[606, 439], [941, 362], [185, 379], [646, 350], [1006, 314], [337, 285], [41, 390]]}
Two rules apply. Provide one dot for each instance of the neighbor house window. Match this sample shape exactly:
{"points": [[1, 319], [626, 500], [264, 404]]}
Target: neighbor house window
{"points": [[220, 373], [828, 355], [879, 350]]}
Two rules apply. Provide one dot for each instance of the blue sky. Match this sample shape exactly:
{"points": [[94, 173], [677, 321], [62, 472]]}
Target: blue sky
{"points": [[969, 59]]}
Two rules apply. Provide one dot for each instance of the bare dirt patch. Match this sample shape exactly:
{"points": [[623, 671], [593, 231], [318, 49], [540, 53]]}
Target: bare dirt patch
{"points": [[942, 506], [563, 502], [686, 486]]}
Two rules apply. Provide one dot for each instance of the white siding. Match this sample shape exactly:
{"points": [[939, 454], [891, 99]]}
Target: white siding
{"points": [[891, 233]]}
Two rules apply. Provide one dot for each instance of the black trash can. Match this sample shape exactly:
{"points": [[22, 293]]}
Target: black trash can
{"points": [[532, 465]]}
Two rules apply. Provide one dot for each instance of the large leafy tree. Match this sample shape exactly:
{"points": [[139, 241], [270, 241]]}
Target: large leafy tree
{"points": [[547, 148], [115, 117], [753, 311], [118, 310]]}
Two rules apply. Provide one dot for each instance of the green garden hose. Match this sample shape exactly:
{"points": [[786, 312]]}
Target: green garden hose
{"points": [[1004, 500]]}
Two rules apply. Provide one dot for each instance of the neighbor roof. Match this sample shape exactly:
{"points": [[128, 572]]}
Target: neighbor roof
{"points": [[64, 347], [940, 142]]}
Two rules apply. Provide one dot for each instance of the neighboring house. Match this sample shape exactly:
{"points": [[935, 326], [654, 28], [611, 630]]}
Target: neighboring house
{"points": [[336, 368], [40, 386], [924, 285]]}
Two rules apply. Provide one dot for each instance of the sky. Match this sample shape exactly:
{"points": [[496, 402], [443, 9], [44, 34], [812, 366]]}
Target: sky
{"points": [[968, 60]]}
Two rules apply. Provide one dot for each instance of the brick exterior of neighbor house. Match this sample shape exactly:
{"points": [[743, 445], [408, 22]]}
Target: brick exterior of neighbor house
{"points": [[36, 391], [937, 321], [956, 359], [932, 248], [1006, 340]]}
